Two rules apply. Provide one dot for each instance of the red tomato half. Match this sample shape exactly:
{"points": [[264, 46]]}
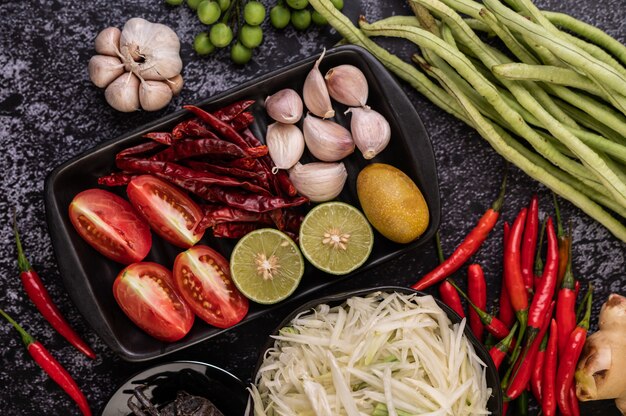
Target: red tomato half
{"points": [[110, 225], [146, 294], [202, 276], [170, 212]]}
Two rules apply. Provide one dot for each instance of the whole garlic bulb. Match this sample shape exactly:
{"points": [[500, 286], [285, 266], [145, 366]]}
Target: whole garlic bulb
{"points": [[143, 56]]}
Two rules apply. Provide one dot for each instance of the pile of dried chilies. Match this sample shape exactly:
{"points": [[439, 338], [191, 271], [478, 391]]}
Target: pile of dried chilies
{"points": [[216, 157], [538, 326], [557, 109]]}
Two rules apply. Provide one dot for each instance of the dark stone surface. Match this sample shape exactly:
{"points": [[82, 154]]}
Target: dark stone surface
{"points": [[49, 112]]}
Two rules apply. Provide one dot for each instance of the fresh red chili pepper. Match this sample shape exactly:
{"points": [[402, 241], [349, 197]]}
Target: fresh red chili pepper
{"points": [[447, 292], [568, 358], [566, 306], [500, 350], [524, 364], [225, 130], [242, 121], [506, 313], [51, 366], [492, 324], [576, 288], [234, 229], [565, 242], [538, 266], [231, 111], [116, 179], [468, 247], [529, 242], [39, 295], [548, 383], [536, 378], [477, 292], [505, 406], [513, 279], [573, 401], [545, 292]]}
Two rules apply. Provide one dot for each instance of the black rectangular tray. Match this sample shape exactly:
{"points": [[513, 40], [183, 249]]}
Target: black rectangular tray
{"points": [[88, 276]]}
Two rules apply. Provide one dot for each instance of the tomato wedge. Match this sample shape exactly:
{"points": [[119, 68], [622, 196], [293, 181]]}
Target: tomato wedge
{"points": [[171, 213], [146, 294], [110, 225], [202, 277]]}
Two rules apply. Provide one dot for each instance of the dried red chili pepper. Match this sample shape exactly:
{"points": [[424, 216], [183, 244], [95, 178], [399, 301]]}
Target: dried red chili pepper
{"points": [[565, 242], [536, 379], [568, 358], [191, 128], [231, 111], [242, 121], [225, 130], [40, 297], [293, 221], [477, 292], [566, 306], [284, 184], [138, 149], [499, 351], [160, 137], [548, 383], [228, 171], [217, 214], [468, 247], [492, 324], [173, 172], [211, 146], [249, 164], [51, 366], [116, 179], [529, 242], [234, 229], [513, 279], [506, 313]]}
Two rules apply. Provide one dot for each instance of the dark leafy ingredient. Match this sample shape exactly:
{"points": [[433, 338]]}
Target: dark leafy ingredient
{"points": [[184, 405]]}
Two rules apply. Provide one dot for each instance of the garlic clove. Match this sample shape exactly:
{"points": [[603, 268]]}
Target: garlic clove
{"points": [[327, 140], [285, 106], [108, 41], [319, 181], [154, 95], [176, 84], [123, 93], [104, 69], [315, 92], [370, 131], [348, 85], [151, 50], [285, 144]]}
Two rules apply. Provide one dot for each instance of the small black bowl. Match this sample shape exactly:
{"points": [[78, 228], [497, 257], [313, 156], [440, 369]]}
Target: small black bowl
{"points": [[164, 381], [494, 405]]}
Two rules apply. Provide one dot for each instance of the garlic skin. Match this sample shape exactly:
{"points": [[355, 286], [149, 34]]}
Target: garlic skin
{"points": [[123, 93], [370, 130], [315, 92], [285, 144], [108, 41], [104, 69], [176, 84], [319, 181], [348, 85], [150, 50], [285, 106], [327, 140], [154, 95]]}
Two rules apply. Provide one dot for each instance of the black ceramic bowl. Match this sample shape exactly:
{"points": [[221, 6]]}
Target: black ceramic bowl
{"points": [[494, 404], [88, 276], [164, 381]]}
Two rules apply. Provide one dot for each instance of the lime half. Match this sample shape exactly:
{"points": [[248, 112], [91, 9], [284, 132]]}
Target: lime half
{"points": [[266, 266], [336, 237]]}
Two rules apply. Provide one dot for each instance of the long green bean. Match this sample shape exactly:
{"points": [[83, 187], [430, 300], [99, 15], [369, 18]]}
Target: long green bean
{"points": [[592, 123]]}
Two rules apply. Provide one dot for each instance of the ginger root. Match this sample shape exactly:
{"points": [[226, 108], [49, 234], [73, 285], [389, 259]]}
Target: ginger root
{"points": [[601, 370]]}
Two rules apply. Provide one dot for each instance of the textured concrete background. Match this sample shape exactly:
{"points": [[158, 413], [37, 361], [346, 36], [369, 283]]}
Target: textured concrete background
{"points": [[49, 112]]}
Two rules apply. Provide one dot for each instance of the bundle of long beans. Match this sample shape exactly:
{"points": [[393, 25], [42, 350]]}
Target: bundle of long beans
{"points": [[558, 113]]}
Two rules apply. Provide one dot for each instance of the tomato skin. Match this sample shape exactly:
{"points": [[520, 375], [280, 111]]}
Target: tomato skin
{"points": [[202, 277], [147, 295], [110, 225], [174, 219]]}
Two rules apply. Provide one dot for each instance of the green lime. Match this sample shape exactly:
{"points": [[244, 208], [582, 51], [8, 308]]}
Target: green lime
{"points": [[221, 35], [318, 19], [254, 13], [297, 4], [266, 266], [224, 4], [336, 237], [279, 16], [193, 4], [240, 54], [174, 2], [202, 45], [251, 36], [209, 12], [301, 19]]}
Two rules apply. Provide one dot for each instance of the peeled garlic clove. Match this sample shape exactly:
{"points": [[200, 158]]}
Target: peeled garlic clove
{"points": [[319, 181], [285, 106], [108, 41], [285, 144], [347, 84], [176, 84], [104, 69], [370, 131], [123, 93], [151, 50], [315, 92], [154, 95], [327, 140]]}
